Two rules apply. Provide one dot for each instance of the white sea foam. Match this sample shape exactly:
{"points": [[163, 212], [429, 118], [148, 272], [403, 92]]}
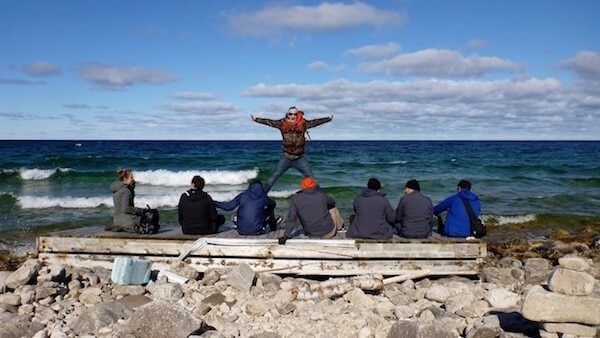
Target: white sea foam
{"points": [[399, 162], [183, 178], [282, 193], [43, 202], [39, 174], [503, 220]]}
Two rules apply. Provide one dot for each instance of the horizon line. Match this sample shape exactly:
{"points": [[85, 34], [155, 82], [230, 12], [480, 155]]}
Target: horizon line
{"points": [[323, 140]]}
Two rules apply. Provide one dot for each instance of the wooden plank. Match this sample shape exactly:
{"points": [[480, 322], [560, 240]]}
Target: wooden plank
{"points": [[263, 248], [284, 266]]}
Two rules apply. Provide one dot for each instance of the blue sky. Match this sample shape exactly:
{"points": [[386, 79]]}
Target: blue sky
{"points": [[409, 70]]}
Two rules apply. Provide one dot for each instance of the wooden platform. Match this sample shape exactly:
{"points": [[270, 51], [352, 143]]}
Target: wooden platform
{"points": [[91, 246]]}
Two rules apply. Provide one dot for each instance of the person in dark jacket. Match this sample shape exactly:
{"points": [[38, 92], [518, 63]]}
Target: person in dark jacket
{"points": [[197, 212], [374, 215], [457, 223], [414, 213], [314, 210], [256, 211], [126, 216], [293, 127]]}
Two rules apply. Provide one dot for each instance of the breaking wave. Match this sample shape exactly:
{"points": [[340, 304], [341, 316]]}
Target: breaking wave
{"points": [[183, 178]]}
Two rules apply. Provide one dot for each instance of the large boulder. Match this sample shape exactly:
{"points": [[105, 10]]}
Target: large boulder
{"points": [[162, 319], [537, 270], [101, 315], [570, 328], [24, 274], [544, 306], [502, 298], [19, 326], [575, 263], [571, 282]]}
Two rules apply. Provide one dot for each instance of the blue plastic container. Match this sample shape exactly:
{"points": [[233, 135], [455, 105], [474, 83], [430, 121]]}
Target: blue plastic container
{"points": [[130, 271]]}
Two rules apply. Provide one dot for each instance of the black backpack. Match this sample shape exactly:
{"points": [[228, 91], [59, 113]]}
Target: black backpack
{"points": [[478, 229], [149, 222]]}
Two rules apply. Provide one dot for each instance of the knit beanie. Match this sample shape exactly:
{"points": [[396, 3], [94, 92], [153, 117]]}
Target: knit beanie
{"points": [[414, 185], [308, 182], [374, 184]]}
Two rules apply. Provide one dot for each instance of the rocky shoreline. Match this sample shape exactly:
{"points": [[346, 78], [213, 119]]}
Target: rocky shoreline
{"points": [[556, 294]]}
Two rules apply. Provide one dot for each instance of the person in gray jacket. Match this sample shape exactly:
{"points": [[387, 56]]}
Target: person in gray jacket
{"points": [[374, 214], [414, 214], [126, 216], [314, 210]]}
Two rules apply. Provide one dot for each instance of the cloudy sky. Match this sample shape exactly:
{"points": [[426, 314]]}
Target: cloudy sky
{"points": [[403, 69]]}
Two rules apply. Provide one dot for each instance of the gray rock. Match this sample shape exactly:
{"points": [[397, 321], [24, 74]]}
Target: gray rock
{"points": [[210, 277], [222, 325], [576, 329], [166, 291], [134, 301], [438, 293], [574, 263], [162, 319], [543, 306], [268, 279], [407, 286], [101, 315], [90, 296], [124, 290], [396, 296], [282, 297], [41, 334], [256, 307], [26, 309], [10, 299], [502, 298], [8, 308], [512, 335], [483, 332], [404, 312], [458, 302], [57, 334], [385, 308], [509, 262], [500, 276], [241, 277], [265, 335], [209, 334], [357, 297], [52, 273], [3, 277], [476, 309], [546, 334], [409, 329], [42, 292], [24, 274], [537, 270], [19, 326], [184, 270], [571, 282], [286, 308]]}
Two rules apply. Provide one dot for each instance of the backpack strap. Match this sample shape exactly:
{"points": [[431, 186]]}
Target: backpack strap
{"points": [[470, 212]]}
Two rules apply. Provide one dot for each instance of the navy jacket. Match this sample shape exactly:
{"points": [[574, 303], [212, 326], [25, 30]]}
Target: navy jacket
{"points": [[374, 216], [457, 223], [253, 207]]}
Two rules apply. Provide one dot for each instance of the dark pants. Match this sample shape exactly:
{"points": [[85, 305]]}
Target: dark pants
{"points": [[301, 164], [213, 229]]}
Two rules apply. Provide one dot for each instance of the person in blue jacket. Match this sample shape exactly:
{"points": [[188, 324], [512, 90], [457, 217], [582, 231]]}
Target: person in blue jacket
{"points": [[256, 211], [457, 223]]}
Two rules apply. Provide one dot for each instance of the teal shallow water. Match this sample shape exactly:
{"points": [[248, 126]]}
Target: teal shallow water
{"points": [[50, 184]]}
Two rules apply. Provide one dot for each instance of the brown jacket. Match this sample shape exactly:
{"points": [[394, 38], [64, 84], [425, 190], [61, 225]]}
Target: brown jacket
{"points": [[293, 139]]}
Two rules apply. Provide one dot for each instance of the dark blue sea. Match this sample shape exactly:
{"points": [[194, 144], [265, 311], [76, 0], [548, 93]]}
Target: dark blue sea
{"points": [[47, 185]]}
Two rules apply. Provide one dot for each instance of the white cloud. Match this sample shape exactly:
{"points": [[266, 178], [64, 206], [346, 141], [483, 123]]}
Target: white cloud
{"points": [[194, 96], [585, 63], [41, 68], [440, 63], [200, 108], [324, 66], [327, 16], [375, 51], [20, 82], [477, 44], [12, 115], [527, 108], [111, 76]]}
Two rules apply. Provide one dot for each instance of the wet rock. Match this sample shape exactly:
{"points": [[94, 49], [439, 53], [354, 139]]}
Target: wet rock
{"points": [[438, 293], [241, 277], [502, 298], [162, 319], [571, 328], [543, 306], [166, 291], [574, 263], [24, 274], [571, 282], [537, 270], [10, 299], [19, 326]]}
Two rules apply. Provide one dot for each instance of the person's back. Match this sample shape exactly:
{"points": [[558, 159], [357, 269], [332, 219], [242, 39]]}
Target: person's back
{"points": [[126, 215], [197, 212], [373, 214], [457, 223], [311, 206], [414, 213], [255, 208]]}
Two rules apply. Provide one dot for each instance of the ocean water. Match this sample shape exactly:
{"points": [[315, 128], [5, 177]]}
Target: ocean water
{"points": [[46, 185]]}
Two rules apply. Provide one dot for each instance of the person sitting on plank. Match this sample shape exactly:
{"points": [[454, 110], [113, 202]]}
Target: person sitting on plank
{"points": [[414, 214], [374, 215], [197, 212]]}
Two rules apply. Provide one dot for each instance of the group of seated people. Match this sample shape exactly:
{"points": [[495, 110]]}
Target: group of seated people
{"points": [[312, 209]]}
